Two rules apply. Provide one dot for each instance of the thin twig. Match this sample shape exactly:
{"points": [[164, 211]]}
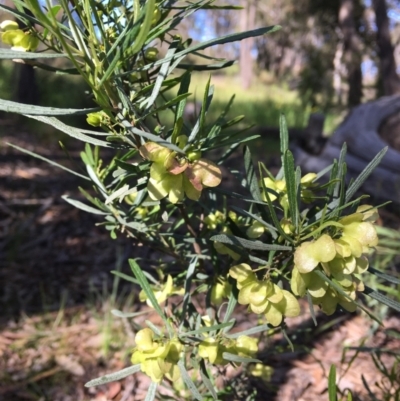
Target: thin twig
{"points": [[190, 228]]}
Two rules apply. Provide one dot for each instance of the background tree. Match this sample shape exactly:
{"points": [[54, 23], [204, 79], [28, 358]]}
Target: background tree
{"points": [[389, 81], [247, 21], [352, 50], [323, 49]]}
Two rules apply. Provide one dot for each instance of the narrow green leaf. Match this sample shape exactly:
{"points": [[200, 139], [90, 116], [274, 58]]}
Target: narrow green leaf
{"points": [[261, 262], [172, 102], [127, 36], [230, 308], [339, 289], [162, 75], [284, 142], [249, 332], [183, 89], [292, 189], [120, 193], [137, 271], [208, 94], [207, 98], [206, 380], [341, 163], [320, 228], [188, 283], [206, 329], [236, 195], [22, 16], [248, 244], [144, 28], [233, 121], [93, 201], [332, 389], [151, 392], [71, 131], [148, 135], [342, 186], [241, 137], [8, 54], [138, 226], [238, 359], [119, 313], [232, 149], [124, 276], [154, 327], [83, 206], [251, 177], [188, 381], [359, 181], [323, 172], [30, 109], [384, 276], [370, 393], [112, 377], [96, 180], [206, 67], [332, 178], [209, 7], [391, 303], [111, 68], [234, 37], [272, 230], [53, 163]]}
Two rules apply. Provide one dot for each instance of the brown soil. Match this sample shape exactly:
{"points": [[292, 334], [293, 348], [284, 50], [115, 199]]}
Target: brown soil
{"points": [[54, 261]]}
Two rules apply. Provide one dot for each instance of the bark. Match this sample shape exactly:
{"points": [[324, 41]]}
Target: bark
{"points": [[389, 81], [361, 132], [352, 49], [337, 72], [247, 22]]}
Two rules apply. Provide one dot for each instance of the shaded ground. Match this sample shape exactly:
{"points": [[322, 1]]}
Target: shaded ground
{"points": [[49, 250], [56, 332]]}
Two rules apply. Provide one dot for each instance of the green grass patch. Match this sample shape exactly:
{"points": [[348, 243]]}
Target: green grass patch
{"points": [[262, 103]]}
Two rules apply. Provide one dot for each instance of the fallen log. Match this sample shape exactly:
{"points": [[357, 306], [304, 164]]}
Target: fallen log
{"points": [[361, 132]]}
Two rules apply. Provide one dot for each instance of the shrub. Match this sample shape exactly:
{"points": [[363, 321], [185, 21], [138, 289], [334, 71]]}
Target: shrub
{"points": [[288, 237]]}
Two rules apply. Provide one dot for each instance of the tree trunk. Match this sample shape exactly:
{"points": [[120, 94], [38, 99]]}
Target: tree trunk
{"points": [[389, 81], [351, 52], [247, 22], [337, 73]]}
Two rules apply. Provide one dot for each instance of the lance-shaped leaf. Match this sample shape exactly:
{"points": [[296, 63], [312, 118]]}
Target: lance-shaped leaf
{"points": [[30, 109], [112, 377], [234, 37], [48, 161], [8, 54], [247, 244]]}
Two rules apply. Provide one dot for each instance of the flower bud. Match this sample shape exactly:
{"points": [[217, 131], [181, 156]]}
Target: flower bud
{"points": [[194, 155], [151, 54], [95, 119]]}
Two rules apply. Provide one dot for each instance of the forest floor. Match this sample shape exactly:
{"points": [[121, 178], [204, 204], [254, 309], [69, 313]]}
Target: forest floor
{"points": [[56, 293]]}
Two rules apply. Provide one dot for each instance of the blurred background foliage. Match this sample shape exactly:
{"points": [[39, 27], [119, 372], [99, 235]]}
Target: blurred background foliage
{"points": [[328, 56]]}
